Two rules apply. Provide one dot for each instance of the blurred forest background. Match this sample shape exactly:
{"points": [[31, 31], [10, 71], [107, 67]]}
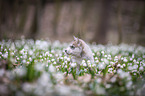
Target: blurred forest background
{"points": [[99, 21]]}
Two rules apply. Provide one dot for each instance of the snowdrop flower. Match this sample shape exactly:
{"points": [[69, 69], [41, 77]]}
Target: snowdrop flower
{"points": [[50, 55], [125, 60], [124, 65], [59, 76], [24, 61], [39, 66], [101, 65], [27, 87], [20, 71], [30, 52], [52, 51], [100, 90], [132, 55], [63, 90], [52, 60], [108, 85], [99, 80], [134, 61], [88, 61], [5, 55], [30, 58], [118, 65], [135, 66], [141, 68], [122, 74], [44, 79], [129, 85], [68, 59], [73, 64], [131, 59], [121, 66], [96, 58], [52, 68], [84, 64], [56, 55], [97, 61], [65, 57], [113, 79], [106, 61], [102, 52], [42, 45]]}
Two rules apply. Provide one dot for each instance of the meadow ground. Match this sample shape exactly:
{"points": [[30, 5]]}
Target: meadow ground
{"points": [[29, 67]]}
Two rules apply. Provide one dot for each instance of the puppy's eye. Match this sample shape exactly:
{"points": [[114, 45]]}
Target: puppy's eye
{"points": [[72, 47]]}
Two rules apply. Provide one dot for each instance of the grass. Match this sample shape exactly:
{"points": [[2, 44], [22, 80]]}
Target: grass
{"points": [[29, 67]]}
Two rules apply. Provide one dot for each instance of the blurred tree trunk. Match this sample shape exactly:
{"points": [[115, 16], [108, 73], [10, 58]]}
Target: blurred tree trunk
{"points": [[56, 18], [0, 18], [119, 17], [104, 16], [87, 4], [23, 17], [35, 27], [142, 21]]}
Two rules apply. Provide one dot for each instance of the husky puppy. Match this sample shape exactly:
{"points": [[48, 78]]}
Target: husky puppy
{"points": [[79, 50]]}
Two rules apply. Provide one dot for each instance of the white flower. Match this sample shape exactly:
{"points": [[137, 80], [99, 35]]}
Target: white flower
{"points": [[118, 65], [73, 64], [59, 76], [68, 59], [84, 64], [129, 84], [106, 61], [20, 71], [101, 65], [39, 66], [124, 65], [5, 55], [27, 87], [30, 52], [135, 66], [100, 90], [96, 58], [131, 59], [122, 74], [44, 79], [97, 61], [63, 90], [108, 85], [113, 79], [52, 68], [125, 60], [41, 44], [99, 80], [141, 68]]}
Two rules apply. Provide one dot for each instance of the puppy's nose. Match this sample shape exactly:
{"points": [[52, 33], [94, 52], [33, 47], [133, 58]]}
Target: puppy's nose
{"points": [[66, 51]]}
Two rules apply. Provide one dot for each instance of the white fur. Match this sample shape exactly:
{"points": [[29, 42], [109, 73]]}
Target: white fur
{"points": [[76, 53]]}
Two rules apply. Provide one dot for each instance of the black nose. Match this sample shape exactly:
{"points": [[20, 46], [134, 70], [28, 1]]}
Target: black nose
{"points": [[66, 51]]}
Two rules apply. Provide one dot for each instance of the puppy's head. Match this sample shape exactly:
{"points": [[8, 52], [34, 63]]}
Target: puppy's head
{"points": [[75, 48]]}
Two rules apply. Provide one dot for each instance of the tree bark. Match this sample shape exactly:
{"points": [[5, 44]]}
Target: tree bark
{"points": [[100, 34], [119, 17]]}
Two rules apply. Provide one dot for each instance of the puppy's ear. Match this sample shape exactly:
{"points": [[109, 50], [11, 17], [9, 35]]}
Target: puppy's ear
{"points": [[75, 38], [79, 42]]}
